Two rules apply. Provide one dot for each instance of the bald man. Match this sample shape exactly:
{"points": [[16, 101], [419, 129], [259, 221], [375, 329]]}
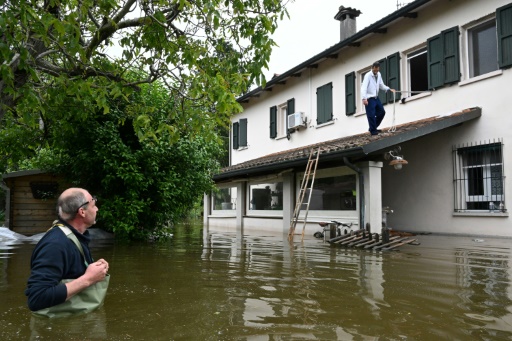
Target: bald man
{"points": [[56, 257]]}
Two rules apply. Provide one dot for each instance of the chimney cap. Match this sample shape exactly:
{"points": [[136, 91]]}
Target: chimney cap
{"points": [[343, 12]]}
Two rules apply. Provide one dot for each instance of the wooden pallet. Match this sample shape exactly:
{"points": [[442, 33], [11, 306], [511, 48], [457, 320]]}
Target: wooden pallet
{"points": [[358, 239]]}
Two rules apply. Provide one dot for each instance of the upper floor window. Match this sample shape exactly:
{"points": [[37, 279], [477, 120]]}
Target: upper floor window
{"points": [[240, 133], [417, 75], [482, 49], [479, 177], [279, 118], [324, 111]]}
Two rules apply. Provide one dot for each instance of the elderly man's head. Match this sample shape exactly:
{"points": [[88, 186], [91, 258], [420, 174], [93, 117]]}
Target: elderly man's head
{"points": [[77, 207]]}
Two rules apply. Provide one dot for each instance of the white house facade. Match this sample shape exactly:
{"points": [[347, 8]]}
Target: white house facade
{"points": [[452, 62]]}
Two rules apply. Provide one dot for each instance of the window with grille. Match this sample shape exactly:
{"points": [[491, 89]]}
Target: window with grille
{"points": [[479, 177]]}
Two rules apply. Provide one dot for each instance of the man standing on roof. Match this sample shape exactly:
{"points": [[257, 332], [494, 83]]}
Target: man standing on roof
{"points": [[375, 112], [56, 257]]}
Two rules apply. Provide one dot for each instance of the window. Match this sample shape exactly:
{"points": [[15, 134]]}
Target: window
{"points": [[279, 118], [240, 133], [334, 193], [417, 71], [482, 49], [224, 199], [443, 58], [324, 104], [266, 197], [479, 177], [361, 75]]}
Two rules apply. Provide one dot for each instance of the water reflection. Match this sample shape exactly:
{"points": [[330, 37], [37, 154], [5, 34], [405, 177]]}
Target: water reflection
{"points": [[220, 286]]}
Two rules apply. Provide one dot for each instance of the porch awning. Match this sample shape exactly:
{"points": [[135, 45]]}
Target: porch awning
{"points": [[355, 147]]}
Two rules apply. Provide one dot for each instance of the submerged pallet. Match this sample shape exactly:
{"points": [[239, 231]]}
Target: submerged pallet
{"points": [[371, 241]]}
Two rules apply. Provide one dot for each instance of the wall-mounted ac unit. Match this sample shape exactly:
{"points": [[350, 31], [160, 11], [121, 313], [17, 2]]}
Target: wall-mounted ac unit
{"points": [[296, 120]]}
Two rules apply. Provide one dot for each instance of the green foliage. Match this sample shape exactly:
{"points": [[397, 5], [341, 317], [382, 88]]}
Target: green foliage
{"points": [[80, 55], [142, 186]]}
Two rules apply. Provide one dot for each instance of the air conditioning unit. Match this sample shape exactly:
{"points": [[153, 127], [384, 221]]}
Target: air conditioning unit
{"points": [[296, 120]]}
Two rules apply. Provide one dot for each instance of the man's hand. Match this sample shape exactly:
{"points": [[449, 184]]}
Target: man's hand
{"points": [[365, 101], [392, 90], [95, 273]]}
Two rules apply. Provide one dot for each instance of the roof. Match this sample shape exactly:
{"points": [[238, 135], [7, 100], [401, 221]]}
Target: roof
{"points": [[355, 146], [22, 173], [407, 11]]}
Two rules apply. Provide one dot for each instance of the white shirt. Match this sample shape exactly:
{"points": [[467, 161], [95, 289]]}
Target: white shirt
{"points": [[371, 84]]}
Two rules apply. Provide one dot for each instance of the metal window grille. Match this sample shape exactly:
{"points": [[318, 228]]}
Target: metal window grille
{"points": [[479, 177]]}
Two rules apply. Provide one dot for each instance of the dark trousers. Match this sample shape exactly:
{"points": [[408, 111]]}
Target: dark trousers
{"points": [[375, 113]]}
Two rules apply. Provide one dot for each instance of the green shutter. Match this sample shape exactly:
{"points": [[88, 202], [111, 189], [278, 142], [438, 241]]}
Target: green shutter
{"points": [[451, 55], [328, 102], [290, 107], [504, 28], [393, 66], [384, 73], [320, 105], [236, 129], [435, 62], [243, 132], [273, 122], [324, 103], [350, 93]]}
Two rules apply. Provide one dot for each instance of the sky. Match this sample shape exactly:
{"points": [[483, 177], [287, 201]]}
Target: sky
{"points": [[312, 29]]}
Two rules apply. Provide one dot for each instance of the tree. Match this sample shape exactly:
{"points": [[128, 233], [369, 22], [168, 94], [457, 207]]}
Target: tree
{"points": [[56, 51], [142, 186]]}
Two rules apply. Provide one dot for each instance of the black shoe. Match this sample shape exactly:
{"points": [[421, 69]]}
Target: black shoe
{"points": [[375, 133], [379, 131]]}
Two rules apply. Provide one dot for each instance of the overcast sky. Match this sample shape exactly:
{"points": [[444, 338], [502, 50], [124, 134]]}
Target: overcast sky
{"points": [[312, 28]]}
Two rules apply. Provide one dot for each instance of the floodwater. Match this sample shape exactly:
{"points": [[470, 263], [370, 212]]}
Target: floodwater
{"points": [[219, 286]]}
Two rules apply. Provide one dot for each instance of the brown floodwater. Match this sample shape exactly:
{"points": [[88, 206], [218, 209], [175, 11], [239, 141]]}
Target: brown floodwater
{"points": [[219, 286]]}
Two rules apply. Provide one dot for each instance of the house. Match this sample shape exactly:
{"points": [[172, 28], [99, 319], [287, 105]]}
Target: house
{"points": [[31, 200], [451, 61]]}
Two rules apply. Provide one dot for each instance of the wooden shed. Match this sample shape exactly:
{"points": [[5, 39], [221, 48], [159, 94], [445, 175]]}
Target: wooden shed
{"points": [[31, 200]]}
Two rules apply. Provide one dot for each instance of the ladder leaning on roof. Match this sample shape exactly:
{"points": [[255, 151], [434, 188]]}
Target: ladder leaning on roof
{"points": [[309, 174]]}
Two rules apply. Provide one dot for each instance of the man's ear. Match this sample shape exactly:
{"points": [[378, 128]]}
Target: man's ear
{"points": [[81, 212]]}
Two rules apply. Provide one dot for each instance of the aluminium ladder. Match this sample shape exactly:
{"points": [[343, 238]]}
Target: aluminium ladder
{"points": [[309, 174]]}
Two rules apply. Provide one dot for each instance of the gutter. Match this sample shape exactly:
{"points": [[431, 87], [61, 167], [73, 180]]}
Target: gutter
{"points": [[361, 190]]}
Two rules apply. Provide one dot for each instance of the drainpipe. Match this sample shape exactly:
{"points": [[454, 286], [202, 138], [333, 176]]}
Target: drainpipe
{"points": [[361, 190]]}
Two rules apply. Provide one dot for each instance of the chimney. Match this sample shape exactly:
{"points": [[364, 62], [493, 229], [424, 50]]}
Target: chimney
{"points": [[347, 17]]}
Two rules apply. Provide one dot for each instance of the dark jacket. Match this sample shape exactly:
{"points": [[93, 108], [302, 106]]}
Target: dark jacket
{"points": [[54, 258]]}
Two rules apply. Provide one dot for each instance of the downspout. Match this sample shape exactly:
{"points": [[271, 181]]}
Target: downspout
{"points": [[361, 190]]}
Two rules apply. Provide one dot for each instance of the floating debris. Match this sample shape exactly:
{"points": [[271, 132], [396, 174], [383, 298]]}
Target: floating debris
{"points": [[364, 239]]}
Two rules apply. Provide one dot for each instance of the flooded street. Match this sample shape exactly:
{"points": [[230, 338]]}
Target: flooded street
{"points": [[215, 286]]}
